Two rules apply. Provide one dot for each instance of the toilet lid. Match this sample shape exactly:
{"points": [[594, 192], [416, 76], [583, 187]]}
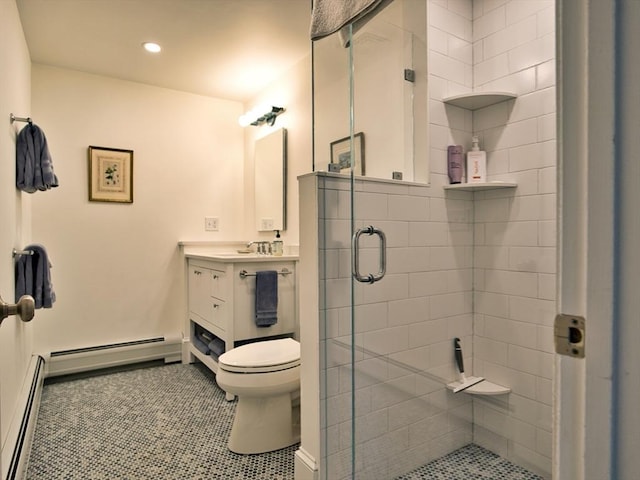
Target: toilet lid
{"points": [[264, 356]]}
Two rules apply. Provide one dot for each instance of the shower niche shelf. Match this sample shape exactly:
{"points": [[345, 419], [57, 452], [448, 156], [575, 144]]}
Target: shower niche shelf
{"points": [[483, 388], [472, 187], [475, 101]]}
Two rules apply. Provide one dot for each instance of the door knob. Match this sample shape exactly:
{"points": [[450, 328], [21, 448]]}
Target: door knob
{"points": [[25, 308]]}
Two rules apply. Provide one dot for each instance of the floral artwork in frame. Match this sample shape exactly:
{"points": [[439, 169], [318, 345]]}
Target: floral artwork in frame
{"points": [[341, 154], [110, 175]]}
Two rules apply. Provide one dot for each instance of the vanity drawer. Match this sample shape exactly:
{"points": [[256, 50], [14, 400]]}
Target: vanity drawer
{"points": [[219, 286], [219, 314]]}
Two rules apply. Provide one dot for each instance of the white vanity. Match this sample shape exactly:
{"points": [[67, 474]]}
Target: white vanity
{"points": [[221, 300]]}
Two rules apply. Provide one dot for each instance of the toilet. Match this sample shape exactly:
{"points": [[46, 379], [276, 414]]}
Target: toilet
{"points": [[265, 376]]}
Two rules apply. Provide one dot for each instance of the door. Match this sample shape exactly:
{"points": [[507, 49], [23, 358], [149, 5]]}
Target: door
{"points": [[597, 426]]}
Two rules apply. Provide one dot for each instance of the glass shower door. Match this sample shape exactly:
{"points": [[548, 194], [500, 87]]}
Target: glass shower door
{"points": [[370, 394]]}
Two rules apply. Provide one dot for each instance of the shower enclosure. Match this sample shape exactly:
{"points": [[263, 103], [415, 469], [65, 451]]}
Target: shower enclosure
{"points": [[396, 263]]}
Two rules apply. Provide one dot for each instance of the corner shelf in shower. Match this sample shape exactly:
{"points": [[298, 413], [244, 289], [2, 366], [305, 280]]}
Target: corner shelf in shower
{"points": [[480, 186], [475, 101], [483, 388]]}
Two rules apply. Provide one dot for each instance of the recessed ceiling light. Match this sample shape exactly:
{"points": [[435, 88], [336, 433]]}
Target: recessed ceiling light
{"points": [[152, 47]]}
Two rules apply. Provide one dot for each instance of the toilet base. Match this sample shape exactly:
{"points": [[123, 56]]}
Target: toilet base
{"points": [[263, 425]]}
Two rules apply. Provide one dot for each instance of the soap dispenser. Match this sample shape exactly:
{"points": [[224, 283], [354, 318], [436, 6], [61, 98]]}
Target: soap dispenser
{"points": [[277, 245], [476, 163]]}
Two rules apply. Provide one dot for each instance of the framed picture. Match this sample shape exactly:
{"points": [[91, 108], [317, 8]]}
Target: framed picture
{"points": [[341, 154], [110, 175]]}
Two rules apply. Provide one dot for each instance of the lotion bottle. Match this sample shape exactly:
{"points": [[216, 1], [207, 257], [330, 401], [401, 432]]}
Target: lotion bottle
{"points": [[476, 163]]}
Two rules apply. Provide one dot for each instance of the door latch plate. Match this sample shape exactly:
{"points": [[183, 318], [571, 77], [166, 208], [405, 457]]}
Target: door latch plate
{"points": [[569, 335]]}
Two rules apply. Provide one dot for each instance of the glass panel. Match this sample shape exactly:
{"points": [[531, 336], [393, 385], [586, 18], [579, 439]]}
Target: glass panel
{"points": [[390, 96]]}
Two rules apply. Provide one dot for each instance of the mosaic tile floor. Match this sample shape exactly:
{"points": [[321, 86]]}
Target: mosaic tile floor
{"points": [[470, 463], [139, 424]]}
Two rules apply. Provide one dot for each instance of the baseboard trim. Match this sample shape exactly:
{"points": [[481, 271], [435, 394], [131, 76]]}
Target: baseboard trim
{"points": [[305, 466], [66, 362], [30, 398]]}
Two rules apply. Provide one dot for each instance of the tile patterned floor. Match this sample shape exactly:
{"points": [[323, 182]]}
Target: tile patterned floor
{"points": [[470, 463], [140, 424]]}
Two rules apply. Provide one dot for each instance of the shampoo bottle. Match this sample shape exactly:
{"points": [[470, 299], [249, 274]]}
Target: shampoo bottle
{"points": [[454, 163], [476, 163]]}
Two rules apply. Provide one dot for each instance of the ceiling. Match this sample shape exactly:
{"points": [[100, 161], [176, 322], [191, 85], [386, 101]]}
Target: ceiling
{"points": [[227, 49]]}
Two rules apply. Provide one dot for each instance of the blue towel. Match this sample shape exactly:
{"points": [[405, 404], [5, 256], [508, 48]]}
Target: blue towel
{"points": [[266, 298], [200, 345], [216, 347], [34, 168], [33, 277]]}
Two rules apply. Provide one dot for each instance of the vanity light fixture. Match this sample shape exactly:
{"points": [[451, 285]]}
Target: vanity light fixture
{"points": [[258, 116], [152, 47]]}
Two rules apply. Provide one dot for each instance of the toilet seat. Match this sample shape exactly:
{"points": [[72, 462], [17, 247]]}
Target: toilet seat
{"points": [[262, 357]]}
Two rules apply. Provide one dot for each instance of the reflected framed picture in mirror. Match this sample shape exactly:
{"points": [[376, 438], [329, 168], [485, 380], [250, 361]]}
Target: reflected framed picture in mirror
{"points": [[341, 154]]}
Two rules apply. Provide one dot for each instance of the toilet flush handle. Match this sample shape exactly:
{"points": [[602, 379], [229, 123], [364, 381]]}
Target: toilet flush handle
{"points": [[25, 308]]}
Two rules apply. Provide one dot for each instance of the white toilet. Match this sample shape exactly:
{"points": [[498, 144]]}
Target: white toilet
{"points": [[265, 376]]}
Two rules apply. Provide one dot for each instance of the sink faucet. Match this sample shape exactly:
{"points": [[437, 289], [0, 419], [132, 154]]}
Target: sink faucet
{"points": [[262, 247]]}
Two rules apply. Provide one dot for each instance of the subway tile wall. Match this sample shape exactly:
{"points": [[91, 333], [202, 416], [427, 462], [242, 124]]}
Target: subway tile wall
{"points": [[514, 232]]}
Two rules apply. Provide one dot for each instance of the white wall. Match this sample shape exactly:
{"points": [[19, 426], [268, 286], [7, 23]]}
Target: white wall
{"points": [[15, 336], [293, 91], [117, 271]]}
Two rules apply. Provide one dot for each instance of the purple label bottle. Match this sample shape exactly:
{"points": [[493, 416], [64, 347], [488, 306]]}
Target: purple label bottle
{"points": [[454, 163]]}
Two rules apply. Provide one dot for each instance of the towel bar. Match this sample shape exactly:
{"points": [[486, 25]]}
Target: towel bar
{"points": [[13, 118], [22, 252], [244, 274]]}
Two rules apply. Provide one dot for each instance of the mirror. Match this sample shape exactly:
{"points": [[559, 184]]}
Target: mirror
{"points": [[270, 167], [390, 97]]}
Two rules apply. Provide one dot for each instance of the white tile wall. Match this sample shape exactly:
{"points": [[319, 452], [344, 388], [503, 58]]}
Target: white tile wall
{"points": [[515, 250]]}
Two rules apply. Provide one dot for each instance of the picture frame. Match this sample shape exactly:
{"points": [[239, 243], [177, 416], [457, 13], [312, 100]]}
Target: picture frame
{"points": [[110, 175], [341, 154]]}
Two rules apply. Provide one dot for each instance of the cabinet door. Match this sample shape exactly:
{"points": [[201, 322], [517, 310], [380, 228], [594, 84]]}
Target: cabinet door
{"points": [[199, 292]]}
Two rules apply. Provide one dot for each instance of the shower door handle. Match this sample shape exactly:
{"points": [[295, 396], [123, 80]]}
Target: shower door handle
{"points": [[355, 246]]}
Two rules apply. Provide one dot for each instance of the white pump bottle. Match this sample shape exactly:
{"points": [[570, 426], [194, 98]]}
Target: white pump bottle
{"points": [[476, 163]]}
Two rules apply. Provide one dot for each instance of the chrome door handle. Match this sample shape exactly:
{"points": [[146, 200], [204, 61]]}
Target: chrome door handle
{"points": [[355, 245], [25, 308]]}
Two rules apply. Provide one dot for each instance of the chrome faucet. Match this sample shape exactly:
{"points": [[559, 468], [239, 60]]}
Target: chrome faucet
{"points": [[262, 247]]}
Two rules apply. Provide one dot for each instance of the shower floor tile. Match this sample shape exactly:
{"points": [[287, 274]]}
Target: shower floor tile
{"points": [[470, 462]]}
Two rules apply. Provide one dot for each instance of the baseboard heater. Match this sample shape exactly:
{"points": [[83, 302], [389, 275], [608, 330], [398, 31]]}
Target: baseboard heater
{"points": [[22, 429], [66, 362]]}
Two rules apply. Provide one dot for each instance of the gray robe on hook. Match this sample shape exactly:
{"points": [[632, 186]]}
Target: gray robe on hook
{"points": [[34, 168]]}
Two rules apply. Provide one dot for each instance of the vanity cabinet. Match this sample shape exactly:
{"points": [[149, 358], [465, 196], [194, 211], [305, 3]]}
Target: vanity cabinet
{"points": [[221, 301]]}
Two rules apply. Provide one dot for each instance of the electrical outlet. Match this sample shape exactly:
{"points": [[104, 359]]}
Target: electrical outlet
{"points": [[211, 224], [266, 224]]}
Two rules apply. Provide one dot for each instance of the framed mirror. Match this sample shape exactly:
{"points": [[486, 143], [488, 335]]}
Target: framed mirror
{"points": [[270, 167]]}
